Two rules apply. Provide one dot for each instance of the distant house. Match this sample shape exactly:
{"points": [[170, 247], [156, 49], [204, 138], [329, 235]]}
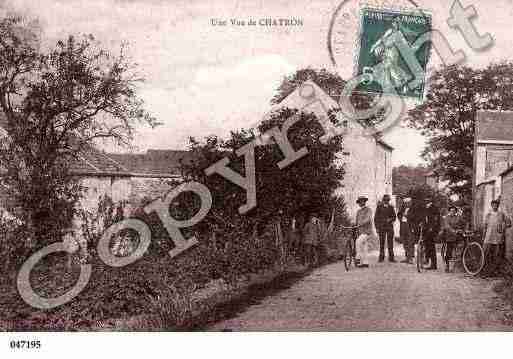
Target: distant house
{"points": [[129, 177], [367, 159], [432, 180], [123, 177], [493, 154]]}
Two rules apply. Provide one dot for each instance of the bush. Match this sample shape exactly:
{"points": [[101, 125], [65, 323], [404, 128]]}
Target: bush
{"points": [[14, 248]]}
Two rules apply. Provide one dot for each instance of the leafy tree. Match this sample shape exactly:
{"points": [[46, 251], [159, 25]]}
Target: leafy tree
{"points": [[447, 117], [55, 106], [331, 83], [303, 187]]}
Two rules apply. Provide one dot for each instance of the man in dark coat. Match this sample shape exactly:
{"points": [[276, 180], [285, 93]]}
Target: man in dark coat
{"points": [[384, 221], [430, 229], [405, 231]]}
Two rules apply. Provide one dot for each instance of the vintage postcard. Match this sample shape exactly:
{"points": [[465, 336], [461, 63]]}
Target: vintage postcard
{"points": [[270, 166]]}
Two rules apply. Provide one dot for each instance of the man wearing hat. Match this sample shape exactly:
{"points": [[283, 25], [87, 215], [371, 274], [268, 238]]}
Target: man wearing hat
{"points": [[364, 225], [384, 222]]}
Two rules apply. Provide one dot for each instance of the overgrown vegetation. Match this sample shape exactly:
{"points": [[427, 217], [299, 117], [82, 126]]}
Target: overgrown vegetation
{"points": [[54, 106], [231, 245]]}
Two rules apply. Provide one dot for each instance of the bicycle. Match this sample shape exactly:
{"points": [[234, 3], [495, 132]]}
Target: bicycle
{"points": [[468, 251], [349, 255]]}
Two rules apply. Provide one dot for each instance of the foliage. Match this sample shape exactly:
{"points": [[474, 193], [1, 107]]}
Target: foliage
{"points": [[94, 222], [332, 84], [230, 245], [447, 117], [419, 194], [14, 249], [55, 106], [304, 186]]}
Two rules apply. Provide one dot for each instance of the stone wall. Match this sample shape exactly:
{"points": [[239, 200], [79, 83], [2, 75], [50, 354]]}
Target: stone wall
{"points": [[133, 190]]}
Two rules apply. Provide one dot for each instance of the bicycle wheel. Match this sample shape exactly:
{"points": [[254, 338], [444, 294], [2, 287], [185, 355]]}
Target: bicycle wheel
{"points": [[348, 255], [419, 253], [473, 258], [443, 250]]}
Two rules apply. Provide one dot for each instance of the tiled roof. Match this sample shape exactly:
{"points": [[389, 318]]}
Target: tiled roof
{"points": [[153, 163], [92, 160], [494, 126], [156, 162]]}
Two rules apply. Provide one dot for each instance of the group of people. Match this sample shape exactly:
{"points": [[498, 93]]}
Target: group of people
{"points": [[435, 228], [414, 217], [384, 222], [412, 220]]}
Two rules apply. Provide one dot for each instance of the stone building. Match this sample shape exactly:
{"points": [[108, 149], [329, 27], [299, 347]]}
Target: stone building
{"points": [[493, 167], [127, 178], [493, 154], [130, 178], [367, 159], [123, 177], [506, 185]]}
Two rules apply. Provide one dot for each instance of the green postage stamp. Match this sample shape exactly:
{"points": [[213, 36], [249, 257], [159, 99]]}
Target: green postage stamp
{"points": [[393, 51]]}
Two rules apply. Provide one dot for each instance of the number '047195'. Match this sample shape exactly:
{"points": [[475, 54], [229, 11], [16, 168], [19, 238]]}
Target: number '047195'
{"points": [[25, 344]]}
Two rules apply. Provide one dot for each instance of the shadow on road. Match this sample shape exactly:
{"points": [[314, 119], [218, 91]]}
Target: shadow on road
{"points": [[252, 296]]}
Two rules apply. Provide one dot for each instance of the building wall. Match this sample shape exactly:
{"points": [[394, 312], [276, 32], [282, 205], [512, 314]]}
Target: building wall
{"points": [[432, 181], [144, 189], [484, 194], [480, 161], [383, 163], [368, 167], [489, 162], [131, 189], [95, 188], [507, 207], [358, 159], [492, 160]]}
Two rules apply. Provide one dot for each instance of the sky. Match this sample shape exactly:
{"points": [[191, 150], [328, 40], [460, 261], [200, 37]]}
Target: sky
{"points": [[203, 79]]}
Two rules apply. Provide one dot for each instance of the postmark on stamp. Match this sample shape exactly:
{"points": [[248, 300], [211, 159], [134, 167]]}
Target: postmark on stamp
{"points": [[388, 54]]}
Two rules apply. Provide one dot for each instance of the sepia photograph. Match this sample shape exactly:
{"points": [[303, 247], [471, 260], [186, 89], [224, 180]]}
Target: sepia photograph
{"points": [[311, 166]]}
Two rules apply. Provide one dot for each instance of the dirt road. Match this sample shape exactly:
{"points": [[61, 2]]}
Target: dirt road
{"points": [[386, 296]]}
